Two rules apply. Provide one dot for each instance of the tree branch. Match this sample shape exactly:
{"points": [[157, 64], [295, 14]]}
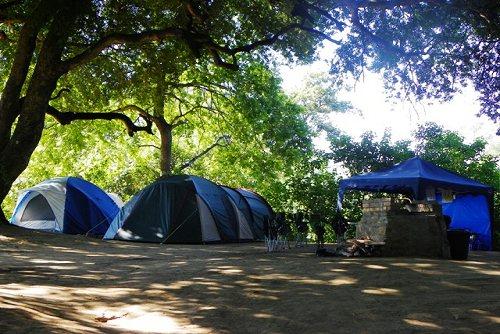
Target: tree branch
{"points": [[60, 92], [209, 87], [117, 39], [176, 120], [320, 34], [151, 145], [9, 18], [67, 117], [256, 44], [196, 41], [390, 3], [224, 138], [340, 25], [8, 4], [135, 108], [374, 38]]}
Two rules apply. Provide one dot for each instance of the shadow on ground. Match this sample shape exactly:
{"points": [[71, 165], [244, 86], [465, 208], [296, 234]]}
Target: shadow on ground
{"points": [[71, 284]]}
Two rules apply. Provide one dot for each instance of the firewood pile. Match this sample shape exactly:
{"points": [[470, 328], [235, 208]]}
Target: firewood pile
{"points": [[363, 247]]}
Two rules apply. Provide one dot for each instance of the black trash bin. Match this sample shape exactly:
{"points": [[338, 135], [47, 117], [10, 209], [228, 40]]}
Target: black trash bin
{"points": [[459, 244]]}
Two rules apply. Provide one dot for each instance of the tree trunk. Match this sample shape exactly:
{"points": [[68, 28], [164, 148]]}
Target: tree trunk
{"points": [[18, 148], [165, 130], [9, 103]]}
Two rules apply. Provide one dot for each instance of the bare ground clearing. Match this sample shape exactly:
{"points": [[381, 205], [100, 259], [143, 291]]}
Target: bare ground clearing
{"points": [[72, 284]]}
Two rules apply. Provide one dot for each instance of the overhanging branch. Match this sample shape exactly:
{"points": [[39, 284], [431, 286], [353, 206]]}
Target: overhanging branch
{"points": [[67, 117], [198, 40], [117, 39]]}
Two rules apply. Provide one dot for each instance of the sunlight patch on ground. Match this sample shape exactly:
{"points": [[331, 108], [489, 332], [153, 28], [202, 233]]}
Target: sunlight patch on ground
{"points": [[44, 261], [349, 262], [487, 315], [28, 291], [136, 318], [51, 293], [115, 292], [343, 280], [483, 271], [207, 308], [423, 324], [7, 239], [261, 296], [227, 270], [382, 291], [308, 281], [413, 265], [375, 266], [180, 285], [456, 286], [475, 262], [274, 277], [32, 300]]}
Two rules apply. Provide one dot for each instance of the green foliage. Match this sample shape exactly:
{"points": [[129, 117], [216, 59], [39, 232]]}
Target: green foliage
{"points": [[444, 148], [268, 137], [448, 150], [319, 95], [271, 148], [98, 151], [367, 154], [312, 188], [429, 49]]}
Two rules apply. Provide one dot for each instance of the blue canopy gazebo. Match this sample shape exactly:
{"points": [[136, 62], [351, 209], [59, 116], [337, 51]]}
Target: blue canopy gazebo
{"points": [[414, 177]]}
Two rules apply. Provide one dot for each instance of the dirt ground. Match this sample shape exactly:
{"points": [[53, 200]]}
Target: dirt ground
{"points": [[72, 284]]}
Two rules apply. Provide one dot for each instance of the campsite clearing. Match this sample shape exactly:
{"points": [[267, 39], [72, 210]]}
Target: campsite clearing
{"points": [[72, 284]]}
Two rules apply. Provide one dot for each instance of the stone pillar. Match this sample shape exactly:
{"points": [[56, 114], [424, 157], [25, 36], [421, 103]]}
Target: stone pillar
{"points": [[373, 224]]}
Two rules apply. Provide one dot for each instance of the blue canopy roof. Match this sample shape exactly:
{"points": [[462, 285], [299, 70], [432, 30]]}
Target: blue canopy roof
{"points": [[411, 177]]}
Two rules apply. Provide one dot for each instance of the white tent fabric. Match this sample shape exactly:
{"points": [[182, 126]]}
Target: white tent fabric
{"points": [[209, 230], [54, 191], [244, 230], [117, 199]]}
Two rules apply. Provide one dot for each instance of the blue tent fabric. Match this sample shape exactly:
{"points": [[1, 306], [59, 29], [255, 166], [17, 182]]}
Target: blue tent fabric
{"points": [[67, 205], [88, 209], [413, 176], [470, 212]]}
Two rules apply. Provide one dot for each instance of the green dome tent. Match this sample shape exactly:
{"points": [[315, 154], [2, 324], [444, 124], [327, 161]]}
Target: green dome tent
{"points": [[177, 209]]}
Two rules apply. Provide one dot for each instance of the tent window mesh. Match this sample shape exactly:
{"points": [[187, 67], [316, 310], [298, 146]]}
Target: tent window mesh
{"points": [[38, 209]]}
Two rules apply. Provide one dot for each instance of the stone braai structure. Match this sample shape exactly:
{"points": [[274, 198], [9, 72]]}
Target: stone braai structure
{"points": [[417, 229]]}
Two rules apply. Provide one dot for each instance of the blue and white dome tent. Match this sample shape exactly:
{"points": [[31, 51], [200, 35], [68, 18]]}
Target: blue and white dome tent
{"points": [[67, 205]]}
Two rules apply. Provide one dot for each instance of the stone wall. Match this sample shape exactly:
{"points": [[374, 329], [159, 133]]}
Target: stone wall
{"points": [[373, 224], [421, 232]]}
